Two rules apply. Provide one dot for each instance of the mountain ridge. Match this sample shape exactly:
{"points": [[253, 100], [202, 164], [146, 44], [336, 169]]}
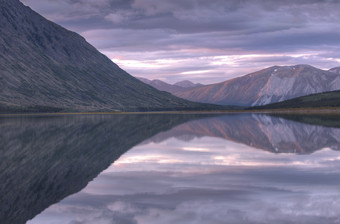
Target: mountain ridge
{"points": [[161, 85], [171, 88], [335, 70], [269, 85], [187, 84]]}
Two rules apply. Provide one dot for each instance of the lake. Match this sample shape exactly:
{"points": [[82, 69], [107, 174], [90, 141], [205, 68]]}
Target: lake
{"points": [[170, 168]]}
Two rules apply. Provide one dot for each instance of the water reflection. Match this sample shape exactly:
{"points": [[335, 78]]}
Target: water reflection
{"points": [[187, 169], [274, 134], [44, 159], [199, 187]]}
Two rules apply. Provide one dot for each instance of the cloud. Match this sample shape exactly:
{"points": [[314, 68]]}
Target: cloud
{"points": [[166, 29], [118, 17]]}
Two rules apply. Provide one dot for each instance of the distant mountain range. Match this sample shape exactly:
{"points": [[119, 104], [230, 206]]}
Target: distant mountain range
{"points": [[274, 84], [44, 67], [270, 85], [171, 88]]}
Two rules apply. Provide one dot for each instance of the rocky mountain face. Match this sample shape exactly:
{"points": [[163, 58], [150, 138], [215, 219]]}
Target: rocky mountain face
{"points": [[273, 134], [171, 88], [274, 84], [335, 70], [46, 67]]}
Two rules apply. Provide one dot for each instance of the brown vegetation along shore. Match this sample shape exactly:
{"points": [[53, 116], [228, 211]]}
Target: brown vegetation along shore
{"points": [[324, 110]]}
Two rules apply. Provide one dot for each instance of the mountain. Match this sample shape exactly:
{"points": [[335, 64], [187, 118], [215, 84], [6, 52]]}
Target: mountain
{"points": [[187, 84], [335, 70], [146, 81], [44, 67], [327, 99], [163, 86], [273, 84]]}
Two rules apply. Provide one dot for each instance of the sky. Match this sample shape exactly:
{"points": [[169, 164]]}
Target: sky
{"points": [[204, 41]]}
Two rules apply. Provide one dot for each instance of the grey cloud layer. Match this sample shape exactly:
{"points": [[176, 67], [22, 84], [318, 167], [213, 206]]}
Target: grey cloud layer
{"points": [[194, 15], [235, 26]]}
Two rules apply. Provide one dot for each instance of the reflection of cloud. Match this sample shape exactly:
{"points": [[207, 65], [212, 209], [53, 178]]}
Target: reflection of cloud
{"points": [[146, 159], [242, 203], [234, 160], [120, 206], [193, 149], [248, 186]]}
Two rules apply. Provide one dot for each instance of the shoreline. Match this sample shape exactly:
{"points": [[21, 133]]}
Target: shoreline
{"points": [[301, 111]]}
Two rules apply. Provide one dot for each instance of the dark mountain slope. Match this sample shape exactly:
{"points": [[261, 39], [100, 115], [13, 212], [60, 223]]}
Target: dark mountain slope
{"points": [[43, 65], [327, 99]]}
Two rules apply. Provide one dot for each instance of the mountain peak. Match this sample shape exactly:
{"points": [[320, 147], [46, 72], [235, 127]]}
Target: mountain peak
{"points": [[187, 84], [290, 67], [273, 84], [163, 86]]}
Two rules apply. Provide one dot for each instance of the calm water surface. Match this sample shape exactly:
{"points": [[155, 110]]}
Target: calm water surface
{"points": [[170, 169]]}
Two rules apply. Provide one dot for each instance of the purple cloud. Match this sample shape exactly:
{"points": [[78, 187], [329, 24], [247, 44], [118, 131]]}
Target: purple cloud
{"points": [[195, 30]]}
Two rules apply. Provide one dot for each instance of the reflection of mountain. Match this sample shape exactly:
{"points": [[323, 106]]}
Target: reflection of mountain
{"points": [[44, 159], [272, 134], [325, 119]]}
